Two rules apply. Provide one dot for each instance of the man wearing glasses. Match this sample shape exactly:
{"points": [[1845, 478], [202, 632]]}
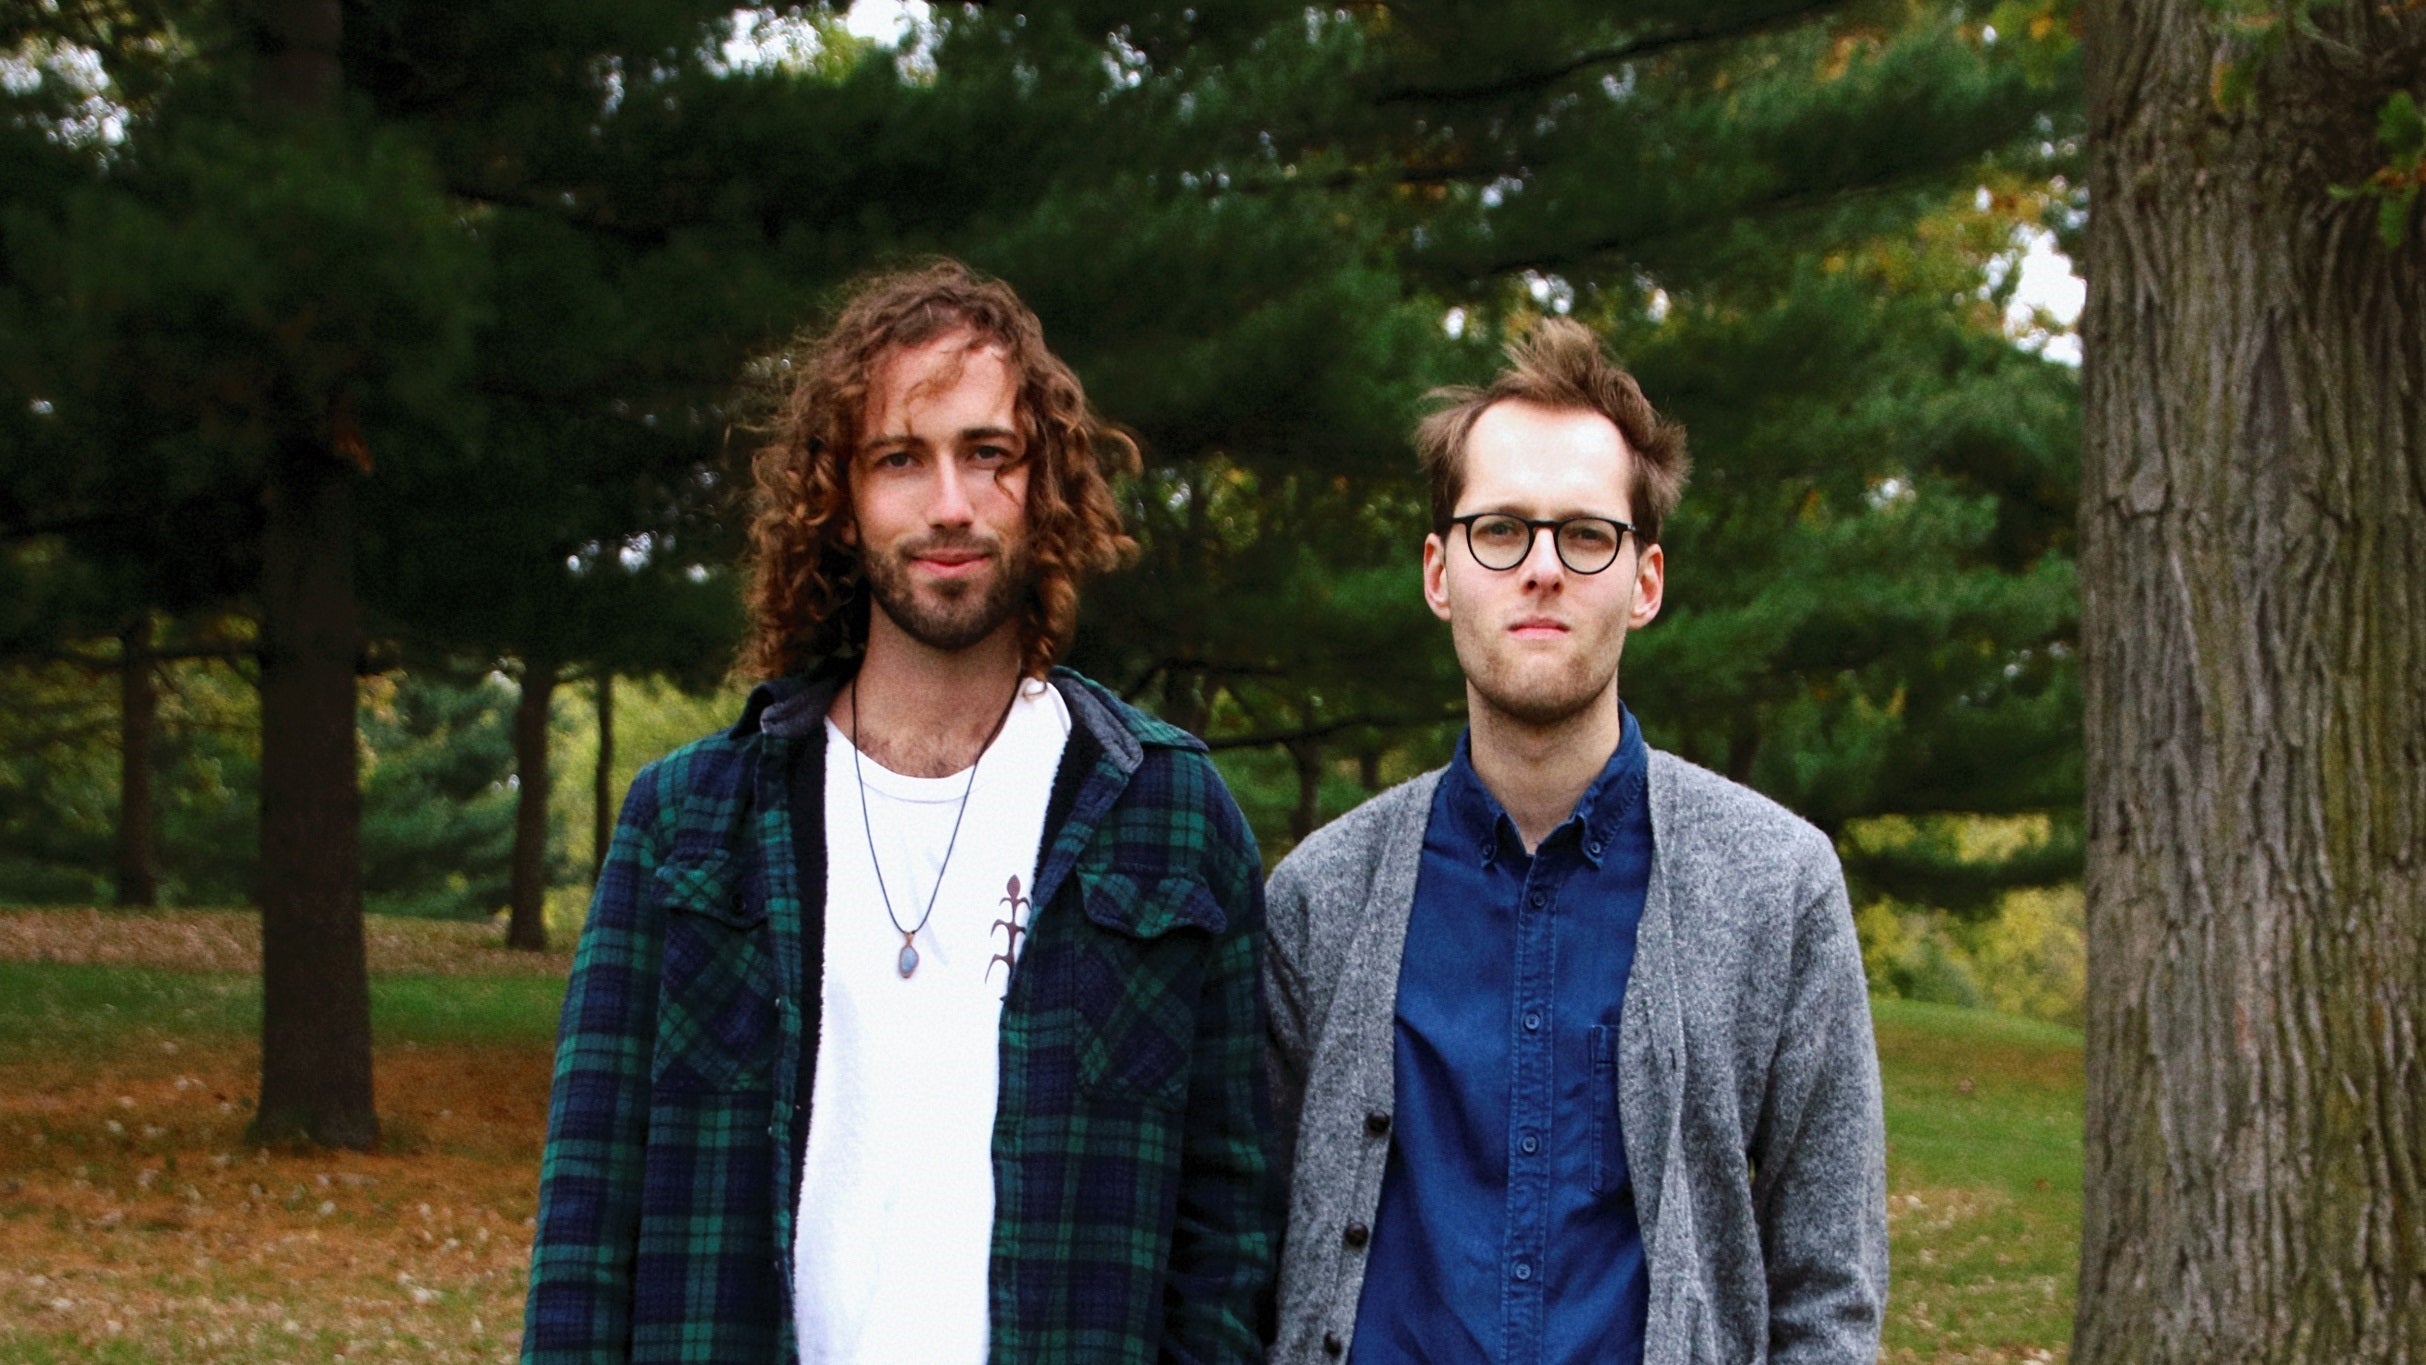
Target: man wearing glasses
{"points": [[1570, 1039]]}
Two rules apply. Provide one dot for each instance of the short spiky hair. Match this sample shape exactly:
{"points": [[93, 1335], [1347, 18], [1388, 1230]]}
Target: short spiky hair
{"points": [[1559, 364], [808, 599]]}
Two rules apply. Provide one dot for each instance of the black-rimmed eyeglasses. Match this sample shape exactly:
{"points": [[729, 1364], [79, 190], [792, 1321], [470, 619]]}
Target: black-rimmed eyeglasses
{"points": [[1500, 541]]}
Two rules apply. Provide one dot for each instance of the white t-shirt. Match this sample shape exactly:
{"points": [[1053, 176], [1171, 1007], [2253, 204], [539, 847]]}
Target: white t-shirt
{"points": [[897, 1189]]}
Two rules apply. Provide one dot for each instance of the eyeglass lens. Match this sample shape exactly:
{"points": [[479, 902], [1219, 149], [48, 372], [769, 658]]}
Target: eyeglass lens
{"points": [[1584, 544]]}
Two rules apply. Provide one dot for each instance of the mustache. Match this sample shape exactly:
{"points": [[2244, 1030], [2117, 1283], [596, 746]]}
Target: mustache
{"points": [[960, 541]]}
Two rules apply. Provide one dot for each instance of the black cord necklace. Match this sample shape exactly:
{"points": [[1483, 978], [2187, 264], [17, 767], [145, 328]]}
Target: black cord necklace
{"points": [[908, 961]]}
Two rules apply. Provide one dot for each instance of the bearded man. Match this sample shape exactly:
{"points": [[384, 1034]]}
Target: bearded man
{"points": [[1570, 1039], [916, 1016]]}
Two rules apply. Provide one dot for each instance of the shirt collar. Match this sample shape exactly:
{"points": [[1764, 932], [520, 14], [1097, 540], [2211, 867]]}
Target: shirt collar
{"points": [[1484, 828]]}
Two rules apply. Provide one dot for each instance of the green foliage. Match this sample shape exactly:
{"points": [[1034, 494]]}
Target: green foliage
{"points": [[652, 718], [2025, 956], [438, 803], [2401, 131], [530, 260], [436, 783]]}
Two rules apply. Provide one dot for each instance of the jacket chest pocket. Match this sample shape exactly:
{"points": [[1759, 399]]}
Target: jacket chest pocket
{"points": [[716, 1014], [1134, 979]]}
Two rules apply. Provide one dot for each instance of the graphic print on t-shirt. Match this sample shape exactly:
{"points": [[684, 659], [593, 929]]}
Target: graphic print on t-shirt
{"points": [[1012, 926]]}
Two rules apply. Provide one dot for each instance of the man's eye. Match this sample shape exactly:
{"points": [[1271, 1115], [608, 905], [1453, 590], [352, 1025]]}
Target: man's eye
{"points": [[1588, 535], [1499, 530], [895, 459], [991, 454]]}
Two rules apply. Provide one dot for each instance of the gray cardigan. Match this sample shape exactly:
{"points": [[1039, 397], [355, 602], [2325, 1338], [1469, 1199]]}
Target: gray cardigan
{"points": [[1748, 1085]]}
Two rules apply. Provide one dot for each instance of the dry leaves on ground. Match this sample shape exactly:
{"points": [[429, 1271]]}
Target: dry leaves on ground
{"points": [[136, 1224]]}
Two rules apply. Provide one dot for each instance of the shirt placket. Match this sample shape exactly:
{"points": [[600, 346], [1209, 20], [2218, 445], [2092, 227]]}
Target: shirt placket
{"points": [[1529, 1096]]}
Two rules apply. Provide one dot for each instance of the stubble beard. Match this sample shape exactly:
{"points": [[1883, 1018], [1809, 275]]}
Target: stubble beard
{"points": [[1536, 693], [952, 615]]}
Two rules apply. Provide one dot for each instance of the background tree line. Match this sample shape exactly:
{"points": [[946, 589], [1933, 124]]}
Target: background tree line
{"points": [[365, 337]]}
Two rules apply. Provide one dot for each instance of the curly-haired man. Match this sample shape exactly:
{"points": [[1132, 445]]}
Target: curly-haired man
{"points": [[916, 1015]]}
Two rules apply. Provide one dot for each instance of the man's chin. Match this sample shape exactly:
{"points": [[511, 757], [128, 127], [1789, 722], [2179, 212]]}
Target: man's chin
{"points": [[947, 618], [1539, 702]]}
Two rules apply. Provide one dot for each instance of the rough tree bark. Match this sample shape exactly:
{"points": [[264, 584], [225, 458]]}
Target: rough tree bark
{"points": [[138, 724], [526, 919], [2253, 515], [315, 988]]}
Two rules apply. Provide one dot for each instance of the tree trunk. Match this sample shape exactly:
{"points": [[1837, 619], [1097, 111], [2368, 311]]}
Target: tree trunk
{"points": [[315, 988], [315, 992], [602, 783], [2253, 517], [1307, 756], [138, 724], [527, 920]]}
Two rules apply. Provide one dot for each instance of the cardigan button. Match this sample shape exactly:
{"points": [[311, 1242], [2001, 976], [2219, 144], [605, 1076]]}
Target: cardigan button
{"points": [[1357, 1235], [1332, 1345], [1377, 1123]]}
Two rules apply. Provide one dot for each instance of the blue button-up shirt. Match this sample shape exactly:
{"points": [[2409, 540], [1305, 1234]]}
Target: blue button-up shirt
{"points": [[1507, 1229]]}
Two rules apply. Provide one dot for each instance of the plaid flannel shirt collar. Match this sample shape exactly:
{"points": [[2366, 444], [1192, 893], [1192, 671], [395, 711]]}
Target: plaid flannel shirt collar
{"points": [[794, 706]]}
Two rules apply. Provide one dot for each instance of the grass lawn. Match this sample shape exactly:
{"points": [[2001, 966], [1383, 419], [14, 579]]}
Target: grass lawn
{"points": [[1984, 1183], [135, 1225]]}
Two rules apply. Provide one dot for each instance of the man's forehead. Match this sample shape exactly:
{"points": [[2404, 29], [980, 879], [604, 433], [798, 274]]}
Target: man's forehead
{"points": [[903, 378], [1545, 458], [1510, 415]]}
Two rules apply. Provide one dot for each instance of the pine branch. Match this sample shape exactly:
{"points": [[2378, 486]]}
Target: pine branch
{"points": [[1688, 36]]}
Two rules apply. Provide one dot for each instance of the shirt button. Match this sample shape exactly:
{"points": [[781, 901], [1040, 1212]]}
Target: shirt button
{"points": [[1531, 1144], [1537, 900], [1596, 848], [1357, 1235], [1523, 1271], [1533, 1021], [1377, 1123], [1332, 1345]]}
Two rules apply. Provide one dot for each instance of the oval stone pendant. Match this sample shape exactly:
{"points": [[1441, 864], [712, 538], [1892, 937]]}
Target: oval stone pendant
{"points": [[909, 960]]}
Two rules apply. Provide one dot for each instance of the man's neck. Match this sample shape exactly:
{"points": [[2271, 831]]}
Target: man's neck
{"points": [[1539, 772], [924, 712]]}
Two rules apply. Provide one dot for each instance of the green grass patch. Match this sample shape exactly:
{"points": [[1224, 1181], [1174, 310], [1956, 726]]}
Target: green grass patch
{"points": [[466, 1009], [80, 1011], [1984, 1170]]}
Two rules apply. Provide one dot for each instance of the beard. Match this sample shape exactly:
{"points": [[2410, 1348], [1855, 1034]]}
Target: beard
{"points": [[953, 615], [1537, 693]]}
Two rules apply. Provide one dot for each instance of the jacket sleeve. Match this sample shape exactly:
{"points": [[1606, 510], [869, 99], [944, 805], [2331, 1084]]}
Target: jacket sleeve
{"points": [[582, 1254], [1218, 1297], [1819, 1186], [1287, 1045]]}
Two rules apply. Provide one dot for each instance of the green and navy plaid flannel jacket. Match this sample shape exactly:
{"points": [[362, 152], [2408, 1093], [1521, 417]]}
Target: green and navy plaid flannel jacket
{"points": [[1136, 1206]]}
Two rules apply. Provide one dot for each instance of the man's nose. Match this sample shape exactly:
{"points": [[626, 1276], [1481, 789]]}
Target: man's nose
{"points": [[1541, 567], [952, 504]]}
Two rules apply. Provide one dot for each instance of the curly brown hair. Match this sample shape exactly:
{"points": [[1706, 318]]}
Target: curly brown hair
{"points": [[808, 598], [1559, 364]]}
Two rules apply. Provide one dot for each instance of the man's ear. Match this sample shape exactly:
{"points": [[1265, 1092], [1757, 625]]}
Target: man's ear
{"points": [[1650, 586], [1436, 575]]}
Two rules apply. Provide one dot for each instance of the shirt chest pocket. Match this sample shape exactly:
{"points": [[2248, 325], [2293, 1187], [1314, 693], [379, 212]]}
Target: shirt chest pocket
{"points": [[1135, 977], [716, 1012]]}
